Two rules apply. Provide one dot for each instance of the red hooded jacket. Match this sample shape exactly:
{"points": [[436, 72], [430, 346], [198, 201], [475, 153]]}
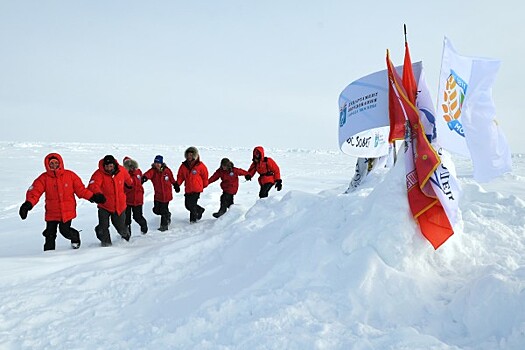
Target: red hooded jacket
{"points": [[195, 176], [229, 178], [60, 187], [111, 186], [134, 195], [162, 181], [266, 167]]}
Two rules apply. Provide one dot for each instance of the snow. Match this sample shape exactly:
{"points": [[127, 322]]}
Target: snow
{"points": [[307, 268]]}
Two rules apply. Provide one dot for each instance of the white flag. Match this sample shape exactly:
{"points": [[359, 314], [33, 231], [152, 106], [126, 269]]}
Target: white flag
{"points": [[443, 180], [466, 114], [363, 115]]}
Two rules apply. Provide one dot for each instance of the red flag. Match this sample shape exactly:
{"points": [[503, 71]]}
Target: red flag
{"points": [[395, 112], [421, 160], [409, 81]]}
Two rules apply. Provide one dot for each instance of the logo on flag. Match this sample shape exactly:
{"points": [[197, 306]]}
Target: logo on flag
{"points": [[453, 97]]}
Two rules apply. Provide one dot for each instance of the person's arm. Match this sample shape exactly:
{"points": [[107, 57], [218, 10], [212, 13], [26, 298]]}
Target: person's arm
{"points": [[78, 187], [214, 177], [240, 172], [204, 176], [272, 165], [36, 190]]}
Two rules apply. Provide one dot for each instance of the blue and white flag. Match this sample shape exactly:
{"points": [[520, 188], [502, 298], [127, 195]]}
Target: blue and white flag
{"points": [[466, 115]]}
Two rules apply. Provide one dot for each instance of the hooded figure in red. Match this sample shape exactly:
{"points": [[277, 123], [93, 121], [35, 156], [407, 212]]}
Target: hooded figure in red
{"points": [[110, 179], [194, 174], [134, 196], [229, 176], [60, 187], [269, 173]]}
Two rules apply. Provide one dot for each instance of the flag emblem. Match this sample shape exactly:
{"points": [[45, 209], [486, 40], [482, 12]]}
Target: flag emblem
{"points": [[453, 97]]}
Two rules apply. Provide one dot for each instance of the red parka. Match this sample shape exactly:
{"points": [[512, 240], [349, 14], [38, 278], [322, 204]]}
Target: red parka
{"points": [[229, 179], [135, 194], [162, 181], [266, 167], [111, 186], [60, 187], [195, 176]]}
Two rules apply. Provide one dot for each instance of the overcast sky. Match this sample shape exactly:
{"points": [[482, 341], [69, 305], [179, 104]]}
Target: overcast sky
{"points": [[229, 73]]}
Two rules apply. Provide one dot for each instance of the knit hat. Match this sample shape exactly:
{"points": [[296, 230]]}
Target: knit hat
{"points": [[158, 159], [109, 159]]}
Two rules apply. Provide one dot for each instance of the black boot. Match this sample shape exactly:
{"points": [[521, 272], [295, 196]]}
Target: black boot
{"points": [[219, 213], [105, 238], [200, 210], [49, 243]]}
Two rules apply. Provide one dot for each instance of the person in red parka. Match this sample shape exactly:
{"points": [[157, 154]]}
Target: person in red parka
{"points": [[134, 196], [60, 187], [110, 179], [194, 174], [269, 173], [229, 176], [162, 179]]}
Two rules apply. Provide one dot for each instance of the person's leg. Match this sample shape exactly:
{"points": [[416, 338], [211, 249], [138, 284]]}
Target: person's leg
{"points": [[228, 199], [102, 229], [224, 205], [165, 216], [190, 202], [119, 222], [200, 210], [70, 233], [139, 218], [265, 189], [50, 233], [127, 221]]}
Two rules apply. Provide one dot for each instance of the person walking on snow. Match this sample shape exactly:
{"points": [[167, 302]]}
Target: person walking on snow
{"points": [[269, 173], [194, 174], [229, 176], [60, 187], [162, 179], [134, 196], [110, 179]]}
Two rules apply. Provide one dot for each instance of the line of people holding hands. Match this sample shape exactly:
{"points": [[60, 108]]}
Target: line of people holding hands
{"points": [[119, 193]]}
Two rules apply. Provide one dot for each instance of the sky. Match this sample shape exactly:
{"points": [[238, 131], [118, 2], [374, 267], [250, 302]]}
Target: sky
{"points": [[307, 268], [230, 73]]}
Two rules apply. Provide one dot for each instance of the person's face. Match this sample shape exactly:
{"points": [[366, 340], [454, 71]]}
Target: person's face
{"points": [[157, 165], [257, 155], [109, 167], [54, 164], [189, 156], [224, 167]]}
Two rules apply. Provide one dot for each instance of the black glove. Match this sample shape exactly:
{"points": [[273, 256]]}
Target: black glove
{"points": [[248, 177], [279, 185], [98, 198], [144, 179], [176, 187], [24, 208]]}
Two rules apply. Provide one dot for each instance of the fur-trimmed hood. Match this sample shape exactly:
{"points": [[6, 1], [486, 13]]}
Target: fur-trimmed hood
{"points": [[193, 150], [129, 163]]}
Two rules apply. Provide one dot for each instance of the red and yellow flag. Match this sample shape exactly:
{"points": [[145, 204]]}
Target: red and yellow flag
{"points": [[421, 160]]}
